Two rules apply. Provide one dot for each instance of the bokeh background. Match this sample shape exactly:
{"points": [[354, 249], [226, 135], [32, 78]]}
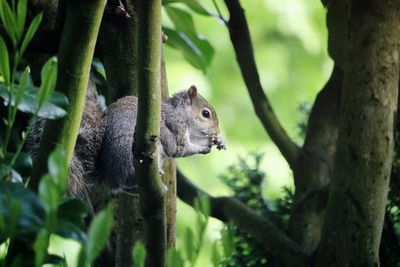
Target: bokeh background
{"points": [[289, 40]]}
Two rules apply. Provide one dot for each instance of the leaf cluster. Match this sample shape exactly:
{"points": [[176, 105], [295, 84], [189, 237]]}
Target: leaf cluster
{"points": [[28, 219], [245, 179]]}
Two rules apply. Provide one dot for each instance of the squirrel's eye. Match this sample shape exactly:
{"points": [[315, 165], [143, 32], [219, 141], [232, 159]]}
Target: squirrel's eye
{"points": [[205, 113]]}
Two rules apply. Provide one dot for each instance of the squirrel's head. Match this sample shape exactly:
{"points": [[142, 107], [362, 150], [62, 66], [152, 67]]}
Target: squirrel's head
{"points": [[205, 121]]}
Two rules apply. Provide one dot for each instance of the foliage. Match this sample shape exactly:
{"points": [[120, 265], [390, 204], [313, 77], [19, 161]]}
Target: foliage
{"points": [[245, 179], [29, 219], [184, 37], [193, 240]]}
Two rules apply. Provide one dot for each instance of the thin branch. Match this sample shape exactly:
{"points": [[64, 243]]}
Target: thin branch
{"points": [[147, 133], [229, 209], [240, 37]]}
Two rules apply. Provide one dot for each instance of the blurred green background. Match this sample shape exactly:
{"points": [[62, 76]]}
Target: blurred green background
{"points": [[289, 40]]}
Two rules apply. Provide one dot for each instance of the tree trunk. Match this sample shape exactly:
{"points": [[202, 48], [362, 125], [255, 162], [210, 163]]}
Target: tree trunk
{"points": [[72, 79], [147, 133], [356, 207]]}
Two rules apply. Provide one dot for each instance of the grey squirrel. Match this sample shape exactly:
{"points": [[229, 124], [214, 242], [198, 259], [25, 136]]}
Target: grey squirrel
{"points": [[103, 151]]}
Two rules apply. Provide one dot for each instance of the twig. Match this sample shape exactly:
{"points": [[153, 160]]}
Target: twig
{"points": [[240, 38]]}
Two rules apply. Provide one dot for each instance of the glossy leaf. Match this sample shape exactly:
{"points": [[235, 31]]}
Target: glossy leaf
{"points": [[49, 77], [30, 32], [192, 4], [54, 108], [21, 16], [8, 19], [23, 163], [23, 83], [40, 246], [98, 233], [198, 52], [32, 210], [4, 61], [73, 210], [182, 20], [58, 170], [69, 230], [49, 194], [139, 254]]}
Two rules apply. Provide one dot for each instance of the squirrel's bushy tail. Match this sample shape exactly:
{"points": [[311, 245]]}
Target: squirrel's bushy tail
{"points": [[82, 164]]}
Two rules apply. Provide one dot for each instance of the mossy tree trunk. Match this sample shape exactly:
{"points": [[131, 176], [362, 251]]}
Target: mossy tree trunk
{"points": [[147, 133], [72, 79], [355, 212]]}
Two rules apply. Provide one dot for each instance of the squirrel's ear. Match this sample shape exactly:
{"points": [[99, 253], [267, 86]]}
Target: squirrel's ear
{"points": [[192, 93]]}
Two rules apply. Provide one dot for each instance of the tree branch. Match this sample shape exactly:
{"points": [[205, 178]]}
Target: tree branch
{"points": [[72, 79], [241, 40], [147, 133], [229, 209]]}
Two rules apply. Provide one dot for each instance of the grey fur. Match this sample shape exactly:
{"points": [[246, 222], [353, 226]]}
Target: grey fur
{"points": [[103, 150], [178, 122]]}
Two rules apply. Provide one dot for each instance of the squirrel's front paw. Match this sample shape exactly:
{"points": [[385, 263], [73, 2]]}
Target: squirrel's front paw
{"points": [[205, 149]]}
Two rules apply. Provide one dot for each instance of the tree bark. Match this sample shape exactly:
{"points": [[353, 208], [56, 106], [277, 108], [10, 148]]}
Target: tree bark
{"points": [[356, 207], [72, 79], [315, 165], [118, 45], [147, 133]]}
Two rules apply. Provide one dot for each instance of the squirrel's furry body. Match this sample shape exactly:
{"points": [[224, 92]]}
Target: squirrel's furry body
{"points": [[103, 151]]}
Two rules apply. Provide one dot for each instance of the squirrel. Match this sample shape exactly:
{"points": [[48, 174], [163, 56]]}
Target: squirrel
{"points": [[82, 166], [189, 125], [103, 151]]}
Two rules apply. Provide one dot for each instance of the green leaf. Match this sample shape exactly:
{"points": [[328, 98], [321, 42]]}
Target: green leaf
{"points": [[227, 235], [49, 78], [49, 194], [4, 61], [21, 16], [58, 170], [174, 258], [40, 246], [23, 84], [8, 19], [139, 254], [67, 229], [190, 246], [197, 51], [182, 20], [54, 108], [215, 254], [23, 163], [192, 4], [73, 210], [30, 32], [98, 233], [32, 211]]}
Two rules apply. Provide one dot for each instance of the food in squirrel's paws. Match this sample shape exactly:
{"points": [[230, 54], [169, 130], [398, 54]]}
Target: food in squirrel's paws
{"points": [[219, 142]]}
